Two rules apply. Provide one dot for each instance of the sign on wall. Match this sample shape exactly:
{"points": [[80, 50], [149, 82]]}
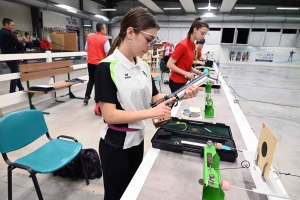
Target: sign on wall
{"points": [[264, 54], [72, 21]]}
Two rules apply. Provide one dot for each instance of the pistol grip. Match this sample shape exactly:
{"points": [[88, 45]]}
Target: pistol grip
{"points": [[161, 120]]}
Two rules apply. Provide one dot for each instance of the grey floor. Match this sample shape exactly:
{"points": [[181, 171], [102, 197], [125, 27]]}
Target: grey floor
{"points": [[278, 85]]}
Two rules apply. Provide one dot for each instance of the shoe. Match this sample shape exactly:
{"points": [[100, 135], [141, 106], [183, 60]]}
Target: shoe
{"points": [[86, 101]]}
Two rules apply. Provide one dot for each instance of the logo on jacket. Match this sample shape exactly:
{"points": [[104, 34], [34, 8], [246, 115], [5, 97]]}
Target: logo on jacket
{"points": [[144, 73], [126, 76]]}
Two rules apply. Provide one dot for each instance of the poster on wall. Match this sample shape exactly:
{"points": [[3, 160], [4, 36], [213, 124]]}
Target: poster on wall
{"points": [[264, 54]]}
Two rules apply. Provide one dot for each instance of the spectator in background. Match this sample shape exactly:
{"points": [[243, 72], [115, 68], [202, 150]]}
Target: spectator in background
{"points": [[198, 54], [28, 41], [97, 47], [15, 33], [10, 45], [167, 51], [45, 44]]}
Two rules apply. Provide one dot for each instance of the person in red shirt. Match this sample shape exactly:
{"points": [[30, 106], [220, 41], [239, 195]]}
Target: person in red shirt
{"points": [[167, 51], [182, 59], [45, 44], [97, 47]]}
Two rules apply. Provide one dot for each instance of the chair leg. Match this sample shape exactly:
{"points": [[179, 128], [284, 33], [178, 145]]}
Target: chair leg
{"points": [[36, 185], [9, 181], [83, 168]]}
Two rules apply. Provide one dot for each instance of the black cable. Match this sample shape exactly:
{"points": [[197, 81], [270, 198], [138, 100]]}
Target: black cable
{"points": [[294, 106], [244, 164], [278, 173]]}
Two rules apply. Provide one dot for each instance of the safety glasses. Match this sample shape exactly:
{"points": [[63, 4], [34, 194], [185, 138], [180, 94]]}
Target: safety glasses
{"points": [[156, 39]]}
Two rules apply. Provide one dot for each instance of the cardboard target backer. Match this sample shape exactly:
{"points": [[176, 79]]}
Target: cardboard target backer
{"points": [[265, 150]]}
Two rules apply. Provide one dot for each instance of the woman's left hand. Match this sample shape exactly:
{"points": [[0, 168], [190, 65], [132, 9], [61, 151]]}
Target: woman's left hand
{"points": [[191, 92]]}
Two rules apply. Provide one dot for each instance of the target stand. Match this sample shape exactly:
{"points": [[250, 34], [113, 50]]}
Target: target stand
{"points": [[261, 162]]}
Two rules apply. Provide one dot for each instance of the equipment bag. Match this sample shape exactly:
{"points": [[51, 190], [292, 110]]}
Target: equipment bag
{"points": [[91, 163]]}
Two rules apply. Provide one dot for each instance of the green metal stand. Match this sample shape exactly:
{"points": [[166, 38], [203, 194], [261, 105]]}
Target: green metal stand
{"points": [[212, 180], [208, 87], [209, 109]]}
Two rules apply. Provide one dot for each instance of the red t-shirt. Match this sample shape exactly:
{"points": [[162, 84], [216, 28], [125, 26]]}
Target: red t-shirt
{"points": [[184, 53], [199, 53]]}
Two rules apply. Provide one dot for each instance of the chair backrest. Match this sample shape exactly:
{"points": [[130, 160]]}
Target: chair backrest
{"points": [[20, 128], [43, 70]]}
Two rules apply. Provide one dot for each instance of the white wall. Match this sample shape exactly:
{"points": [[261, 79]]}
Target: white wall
{"points": [[20, 14], [53, 19]]}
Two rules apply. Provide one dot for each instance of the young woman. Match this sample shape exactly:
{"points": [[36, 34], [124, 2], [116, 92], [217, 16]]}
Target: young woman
{"points": [[27, 40], [182, 59], [124, 88]]}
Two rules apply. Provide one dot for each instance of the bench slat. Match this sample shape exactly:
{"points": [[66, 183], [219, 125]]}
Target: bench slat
{"points": [[57, 85], [44, 74], [45, 66]]}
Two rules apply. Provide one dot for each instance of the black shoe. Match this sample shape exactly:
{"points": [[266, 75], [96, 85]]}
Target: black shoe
{"points": [[86, 101]]}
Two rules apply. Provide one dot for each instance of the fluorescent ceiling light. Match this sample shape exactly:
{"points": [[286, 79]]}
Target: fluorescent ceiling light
{"points": [[71, 11], [209, 7], [244, 8], [172, 8], [108, 9], [287, 8], [102, 17], [87, 25], [208, 15]]}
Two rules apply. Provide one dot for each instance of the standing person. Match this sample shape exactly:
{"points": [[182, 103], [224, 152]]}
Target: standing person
{"points": [[167, 51], [198, 54], [10, 45], [97, 46], [291, 56], [124, 88], [182, 59]]}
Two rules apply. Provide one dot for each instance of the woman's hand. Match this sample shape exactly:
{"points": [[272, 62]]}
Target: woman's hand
{"points": [[201, 63], [191, 92], [189, 75], [163, 108]]}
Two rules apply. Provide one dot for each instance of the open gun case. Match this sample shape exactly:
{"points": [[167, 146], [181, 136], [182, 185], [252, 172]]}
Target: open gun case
{"points": [[181, 135]]}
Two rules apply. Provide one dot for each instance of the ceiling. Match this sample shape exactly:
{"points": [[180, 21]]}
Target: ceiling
{"points": [[191, 6]]}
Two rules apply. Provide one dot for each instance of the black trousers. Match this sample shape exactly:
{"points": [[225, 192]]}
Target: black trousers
{"points": [[175, 86], [118, 166], [90, 85], [14, 68], [166, 59]]}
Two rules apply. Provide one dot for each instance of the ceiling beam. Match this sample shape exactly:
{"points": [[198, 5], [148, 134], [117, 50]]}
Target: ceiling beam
{"points": [[188, 6], [151, 5], [227, 5]]}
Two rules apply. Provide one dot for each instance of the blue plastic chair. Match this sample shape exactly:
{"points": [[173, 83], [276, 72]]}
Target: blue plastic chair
{"points": [[159, 80], [19, 129]]}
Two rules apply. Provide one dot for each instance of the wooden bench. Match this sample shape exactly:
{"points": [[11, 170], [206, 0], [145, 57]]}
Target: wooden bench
{"points": [[35, 71]]}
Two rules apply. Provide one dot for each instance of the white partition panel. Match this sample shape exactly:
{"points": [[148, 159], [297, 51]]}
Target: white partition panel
{"points": [[174, 35], [256, 38], [298, 40], [213, 38], [272, 39], [184, 32], [163, 33], [288, 40]]}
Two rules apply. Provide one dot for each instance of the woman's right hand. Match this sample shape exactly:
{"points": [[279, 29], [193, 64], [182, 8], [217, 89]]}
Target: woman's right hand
{"points": [[163, 108], [189, 75]]}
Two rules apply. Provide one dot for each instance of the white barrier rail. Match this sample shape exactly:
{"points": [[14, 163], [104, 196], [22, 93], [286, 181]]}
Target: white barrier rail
{"points": [[19, 97]]}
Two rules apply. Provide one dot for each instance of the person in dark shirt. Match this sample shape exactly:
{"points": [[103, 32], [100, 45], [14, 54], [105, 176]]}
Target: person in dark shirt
{"points": [[10, 45]]}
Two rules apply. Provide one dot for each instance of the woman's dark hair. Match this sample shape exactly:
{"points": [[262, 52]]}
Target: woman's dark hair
{"points": [[139, 19], [26, 33], [197, 23]]}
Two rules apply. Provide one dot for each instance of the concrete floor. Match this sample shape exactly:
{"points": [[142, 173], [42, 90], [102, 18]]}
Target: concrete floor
{"points": [[271, 84]]}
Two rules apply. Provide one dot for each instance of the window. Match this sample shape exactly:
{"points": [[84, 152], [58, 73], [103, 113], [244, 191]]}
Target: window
{"points": [[289, 31], [242, 36], [273, 30], [215, 29], [227, 35]]}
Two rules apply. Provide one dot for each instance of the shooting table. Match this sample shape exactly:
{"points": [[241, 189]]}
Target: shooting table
{"points": [[165, 175]]}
